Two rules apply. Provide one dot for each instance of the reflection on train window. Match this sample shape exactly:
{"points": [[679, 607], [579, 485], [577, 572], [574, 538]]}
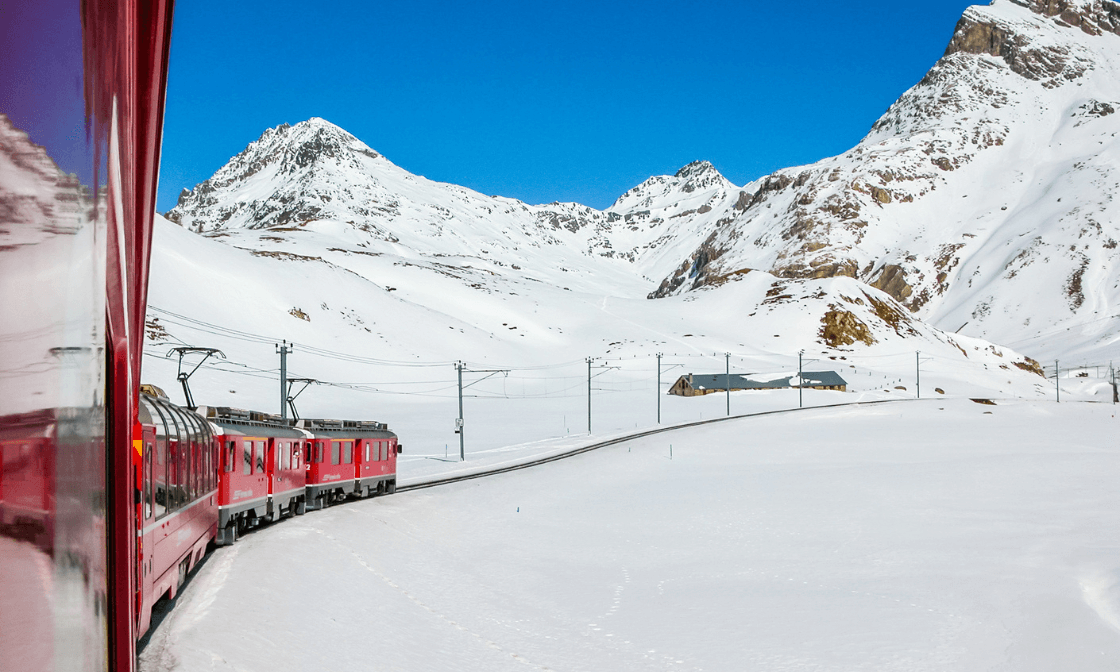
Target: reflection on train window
{"points": [[260, 457], [247, 456], [230, 457]]}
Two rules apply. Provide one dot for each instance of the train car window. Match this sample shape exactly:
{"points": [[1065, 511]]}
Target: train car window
{"points": [[348, 452], [247, 457], [295, 455], [260, 457], [384, 450], [283, 448], [165, 459], [194, 456], [366, 444], [230, 456], [335, 446], [159, 475], [147, 480]]}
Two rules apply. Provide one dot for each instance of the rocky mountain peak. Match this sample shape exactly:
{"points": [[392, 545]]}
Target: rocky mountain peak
{"points": [[696, 168], [1004, 31], [699, 175]]}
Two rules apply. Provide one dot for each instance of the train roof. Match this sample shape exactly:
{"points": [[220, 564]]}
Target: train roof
{"points": [[237, 421], [363, 429]]}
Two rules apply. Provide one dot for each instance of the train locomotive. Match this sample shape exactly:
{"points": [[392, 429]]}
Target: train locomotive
{"points": [[208, 476]]}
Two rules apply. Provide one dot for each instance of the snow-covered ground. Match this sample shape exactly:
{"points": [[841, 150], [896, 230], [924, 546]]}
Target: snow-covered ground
{"points": [[939, 534]]}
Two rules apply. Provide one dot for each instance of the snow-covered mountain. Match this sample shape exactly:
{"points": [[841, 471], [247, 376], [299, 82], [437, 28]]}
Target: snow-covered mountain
{"points": [[293, 176], [977, 211], [982, 200]]}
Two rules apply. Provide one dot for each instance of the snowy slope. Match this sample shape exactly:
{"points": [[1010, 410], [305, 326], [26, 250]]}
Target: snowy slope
{"points": [[982, 199], [385, 331], [916, 536]]}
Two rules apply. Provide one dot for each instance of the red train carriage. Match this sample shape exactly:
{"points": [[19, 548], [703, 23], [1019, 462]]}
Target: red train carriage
{"points": [[261, 475], [348, 458], [178, 512]]}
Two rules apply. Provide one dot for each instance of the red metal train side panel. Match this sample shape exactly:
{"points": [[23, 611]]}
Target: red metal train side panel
{"points": [[77, 218]]}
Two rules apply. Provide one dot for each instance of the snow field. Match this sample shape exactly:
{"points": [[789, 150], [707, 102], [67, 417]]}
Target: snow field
{"points": [[930, 535]]}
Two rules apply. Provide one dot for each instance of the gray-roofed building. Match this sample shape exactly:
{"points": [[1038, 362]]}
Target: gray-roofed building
{"points": [[693, 385]]}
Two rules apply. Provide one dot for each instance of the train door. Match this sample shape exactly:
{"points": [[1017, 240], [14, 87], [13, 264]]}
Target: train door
{"points": [[348, 468], [260, 478], [365, 452], [272, 465], [145, 517]]}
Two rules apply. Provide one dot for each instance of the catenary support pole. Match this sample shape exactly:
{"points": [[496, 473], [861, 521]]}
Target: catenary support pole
{"points": [[659, 388], [588, 395], [727, 372], [284, 349], [1057, 386], [918, 372], [462, 445], [800, 403]]}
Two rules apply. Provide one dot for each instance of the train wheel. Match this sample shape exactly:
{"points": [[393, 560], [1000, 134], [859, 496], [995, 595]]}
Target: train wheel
{"points": [[301, 507], [392, 487]]}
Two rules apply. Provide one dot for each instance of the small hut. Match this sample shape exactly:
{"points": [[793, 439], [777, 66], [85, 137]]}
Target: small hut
{"points": [[694, 385]]}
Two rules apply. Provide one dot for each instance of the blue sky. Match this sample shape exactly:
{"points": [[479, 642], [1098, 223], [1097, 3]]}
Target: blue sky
{"points": [[542, 101]]}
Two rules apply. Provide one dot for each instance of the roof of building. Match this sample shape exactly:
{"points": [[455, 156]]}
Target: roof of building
{"points": [[718, 381]]}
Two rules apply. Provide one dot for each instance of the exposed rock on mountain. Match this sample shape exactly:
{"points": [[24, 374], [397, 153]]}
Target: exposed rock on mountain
{"points": [[982, 198]]}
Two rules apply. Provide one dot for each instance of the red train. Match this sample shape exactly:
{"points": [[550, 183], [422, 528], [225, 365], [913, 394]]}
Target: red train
{"points": [[209, 476], [107, 497]]}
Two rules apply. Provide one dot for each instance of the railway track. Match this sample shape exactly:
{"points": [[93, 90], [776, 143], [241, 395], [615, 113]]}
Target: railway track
{"points": [[447, 480]]}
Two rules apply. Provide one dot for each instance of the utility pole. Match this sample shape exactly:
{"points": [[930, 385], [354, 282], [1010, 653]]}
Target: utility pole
{"points": [[918, 372], [459, 424], [1057, 387], [589, 395], [727, 371], [659, 388], [799, 379], [283, 351], [460, 368]]}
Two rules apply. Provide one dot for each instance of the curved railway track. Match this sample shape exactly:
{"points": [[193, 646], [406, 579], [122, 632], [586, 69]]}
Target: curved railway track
{"points": [[446, 480]]}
